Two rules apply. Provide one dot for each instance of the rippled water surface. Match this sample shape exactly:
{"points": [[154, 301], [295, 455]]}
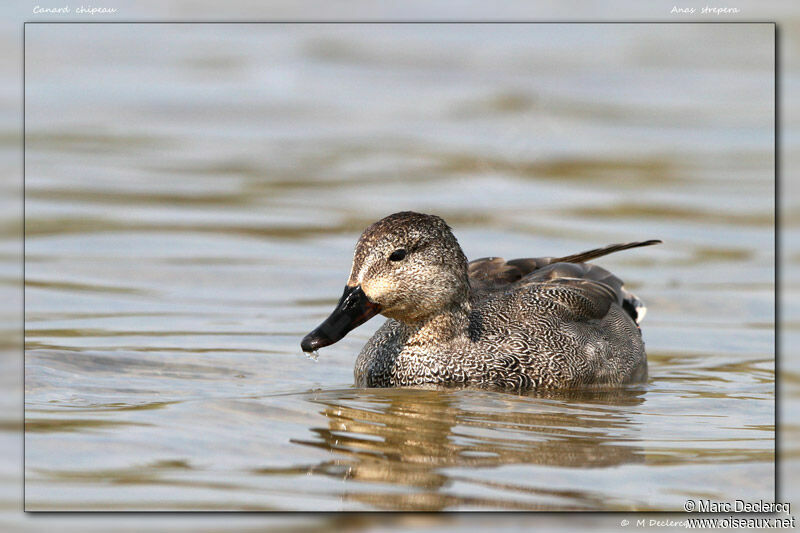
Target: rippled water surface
{"points": [[193, 196]]}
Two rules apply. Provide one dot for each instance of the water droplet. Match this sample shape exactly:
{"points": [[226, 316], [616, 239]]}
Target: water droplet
{"points": [[312, 355]]}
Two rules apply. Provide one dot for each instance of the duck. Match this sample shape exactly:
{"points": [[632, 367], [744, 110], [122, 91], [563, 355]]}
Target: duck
{"points": [[523, 324]]}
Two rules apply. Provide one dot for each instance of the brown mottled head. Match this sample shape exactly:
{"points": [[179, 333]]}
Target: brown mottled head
{"points": [[407, 266], [411, 265]]}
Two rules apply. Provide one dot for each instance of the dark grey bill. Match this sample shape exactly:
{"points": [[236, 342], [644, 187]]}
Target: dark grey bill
{"points": [[353, 309]]}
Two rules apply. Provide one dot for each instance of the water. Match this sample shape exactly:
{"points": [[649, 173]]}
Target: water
{"points": [[193, 196]]}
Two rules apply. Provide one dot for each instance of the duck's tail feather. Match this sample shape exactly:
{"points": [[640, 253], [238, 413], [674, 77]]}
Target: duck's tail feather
{"points": [[582, 257]]}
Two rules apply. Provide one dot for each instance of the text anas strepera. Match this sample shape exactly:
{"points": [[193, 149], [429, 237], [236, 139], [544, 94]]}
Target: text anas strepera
{"points": [[521, 324]]}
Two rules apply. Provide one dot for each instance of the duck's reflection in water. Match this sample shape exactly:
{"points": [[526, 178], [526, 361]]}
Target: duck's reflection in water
{"points": [[414, 443]]}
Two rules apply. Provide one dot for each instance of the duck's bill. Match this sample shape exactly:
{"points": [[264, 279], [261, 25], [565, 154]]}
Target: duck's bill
{"points": [[353, 309]]}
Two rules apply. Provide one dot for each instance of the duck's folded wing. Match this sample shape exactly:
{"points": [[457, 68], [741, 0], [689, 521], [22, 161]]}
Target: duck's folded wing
{"points": [[591, 289], [597, 284], [595, 288], [496, 272]]}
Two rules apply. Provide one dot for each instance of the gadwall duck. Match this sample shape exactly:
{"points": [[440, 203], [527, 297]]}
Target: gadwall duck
{"points": [[522, 324]]}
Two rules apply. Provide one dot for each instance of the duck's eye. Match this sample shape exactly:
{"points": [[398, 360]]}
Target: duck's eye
{"points": [[398, 255]]}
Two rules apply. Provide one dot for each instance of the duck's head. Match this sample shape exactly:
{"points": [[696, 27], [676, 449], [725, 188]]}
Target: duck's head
{"points": [[407, 266]]}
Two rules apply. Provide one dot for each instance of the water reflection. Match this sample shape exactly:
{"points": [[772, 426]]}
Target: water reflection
{"points": [[422, 438]]}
